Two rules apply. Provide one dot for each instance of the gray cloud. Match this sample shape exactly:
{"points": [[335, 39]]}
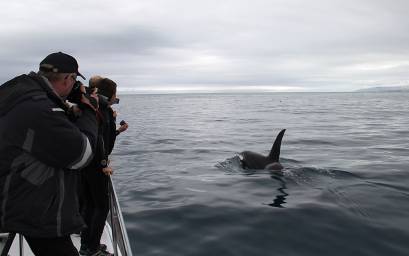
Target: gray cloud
{"points": [[164, 45]]}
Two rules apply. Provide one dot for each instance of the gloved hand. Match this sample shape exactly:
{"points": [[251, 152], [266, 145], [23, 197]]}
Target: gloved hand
{"points": [[90, 100], [82, 98]]}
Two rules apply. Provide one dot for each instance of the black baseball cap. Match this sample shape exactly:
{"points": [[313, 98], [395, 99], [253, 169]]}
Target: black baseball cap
{"points": [[60, 62]]}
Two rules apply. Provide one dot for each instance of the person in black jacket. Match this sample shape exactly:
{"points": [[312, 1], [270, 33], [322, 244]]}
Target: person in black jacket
{"points": [[42, 147], [95, 177]]}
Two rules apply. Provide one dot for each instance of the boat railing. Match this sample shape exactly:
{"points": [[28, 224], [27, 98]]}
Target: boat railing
{"points": [[119, 235], [6, 240]]}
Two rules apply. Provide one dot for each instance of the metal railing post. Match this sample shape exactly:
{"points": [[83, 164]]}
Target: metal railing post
{"points": [[119, 234], [21, 242], [111, 213]]}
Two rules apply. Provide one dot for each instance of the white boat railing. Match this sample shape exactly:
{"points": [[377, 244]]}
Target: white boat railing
{"points": [[119, 235], [6, 240]]}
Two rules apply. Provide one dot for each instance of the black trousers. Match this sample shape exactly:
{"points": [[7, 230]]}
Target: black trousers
{"points": [[61, 246], [95, 206]]}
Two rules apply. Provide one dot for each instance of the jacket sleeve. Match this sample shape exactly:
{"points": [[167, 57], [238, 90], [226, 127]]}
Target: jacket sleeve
{"points": [[53, 139], [88, 125], [111, 132]]}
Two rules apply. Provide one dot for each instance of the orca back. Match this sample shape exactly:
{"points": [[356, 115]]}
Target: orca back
{"points": [[252, 160]]}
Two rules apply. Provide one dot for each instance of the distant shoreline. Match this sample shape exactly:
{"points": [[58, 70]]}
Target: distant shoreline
{"points": [[255, 92], [385, 89]]}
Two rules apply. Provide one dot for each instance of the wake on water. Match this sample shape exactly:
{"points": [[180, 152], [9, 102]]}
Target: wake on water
{"points": [[292, 168], [328, 184]]}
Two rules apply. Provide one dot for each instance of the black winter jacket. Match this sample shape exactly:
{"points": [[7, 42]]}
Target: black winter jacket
{"points": [[41, 151], [106, 137]]}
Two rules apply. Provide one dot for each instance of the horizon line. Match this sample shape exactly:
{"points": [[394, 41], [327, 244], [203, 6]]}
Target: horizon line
{"points": [[282, 89], [153, 92]]}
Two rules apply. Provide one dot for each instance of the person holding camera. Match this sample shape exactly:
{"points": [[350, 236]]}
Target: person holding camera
{"points": [[42, 147], [95, 177]]}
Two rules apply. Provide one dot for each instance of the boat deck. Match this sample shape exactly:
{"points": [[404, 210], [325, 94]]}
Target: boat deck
{"points": [[76, 239], [114, 234]]}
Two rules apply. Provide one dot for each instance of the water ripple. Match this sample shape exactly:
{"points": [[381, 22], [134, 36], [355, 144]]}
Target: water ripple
{"points": [[343, 190]]}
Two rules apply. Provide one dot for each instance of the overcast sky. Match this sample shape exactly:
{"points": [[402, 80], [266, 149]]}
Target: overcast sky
{"points": [[177, 45]]}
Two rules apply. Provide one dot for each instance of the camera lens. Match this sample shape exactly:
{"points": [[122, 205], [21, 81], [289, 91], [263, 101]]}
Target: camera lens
{"points": [[76, 85]]}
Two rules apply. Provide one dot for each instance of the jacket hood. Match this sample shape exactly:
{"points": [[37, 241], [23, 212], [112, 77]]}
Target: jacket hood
{"points": [[22, 88]]}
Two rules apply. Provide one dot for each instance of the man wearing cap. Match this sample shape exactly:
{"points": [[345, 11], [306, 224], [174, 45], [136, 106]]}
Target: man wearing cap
{"points": [[42, 148]]}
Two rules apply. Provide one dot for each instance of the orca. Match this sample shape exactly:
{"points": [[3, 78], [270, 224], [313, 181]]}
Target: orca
{"points": [[255, 161]]}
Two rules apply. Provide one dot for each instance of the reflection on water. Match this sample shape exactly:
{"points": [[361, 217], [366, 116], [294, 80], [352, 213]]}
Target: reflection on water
{"points": [[232, 166], [281, 197]]}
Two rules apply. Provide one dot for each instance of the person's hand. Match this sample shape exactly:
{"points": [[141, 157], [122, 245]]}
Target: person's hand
{"points": [[75, 110], [107, 171], [123, 127]]}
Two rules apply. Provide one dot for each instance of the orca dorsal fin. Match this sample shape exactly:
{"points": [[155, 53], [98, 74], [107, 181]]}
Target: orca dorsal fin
{"points": [[275, 150]]}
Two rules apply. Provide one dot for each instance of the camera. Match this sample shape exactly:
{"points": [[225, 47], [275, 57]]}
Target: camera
{"points": [[76, 93], [102, 100]]}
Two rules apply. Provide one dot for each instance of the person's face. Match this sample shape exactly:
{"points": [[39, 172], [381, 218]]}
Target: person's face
{"points": [[69, 82], [112, 99]]}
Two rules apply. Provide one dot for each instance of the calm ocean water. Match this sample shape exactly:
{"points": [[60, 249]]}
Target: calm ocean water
{"points": [[344, 189]]}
